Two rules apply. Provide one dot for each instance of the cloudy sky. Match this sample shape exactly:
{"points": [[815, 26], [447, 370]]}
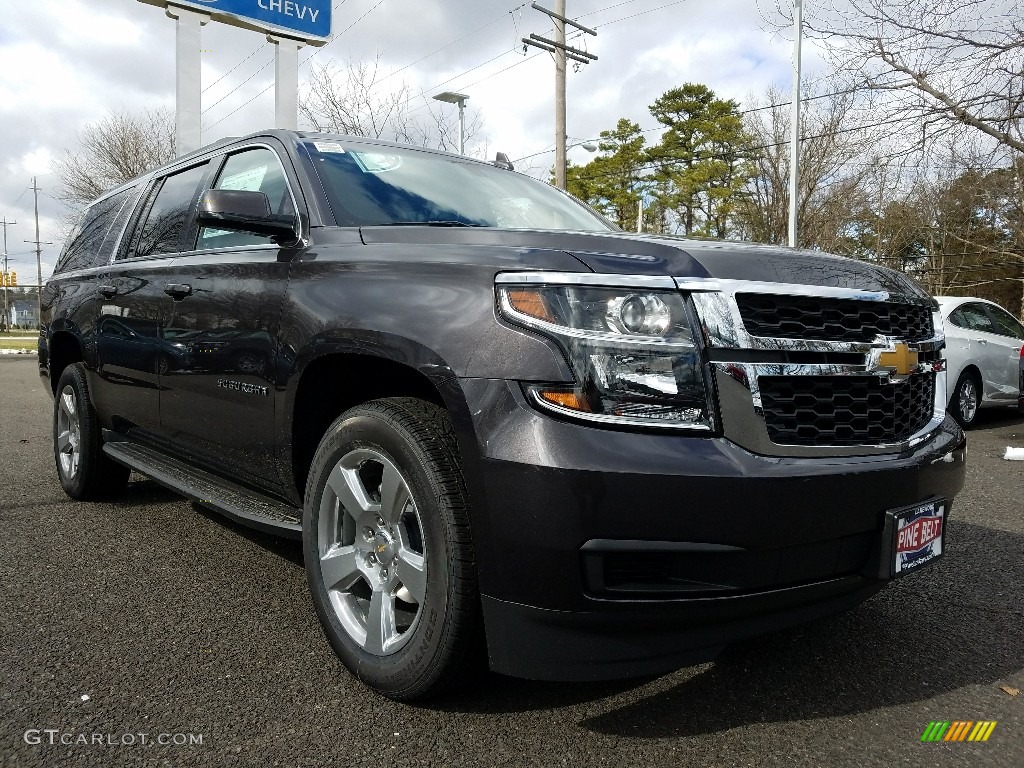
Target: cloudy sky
{"points": [[67, 63]]}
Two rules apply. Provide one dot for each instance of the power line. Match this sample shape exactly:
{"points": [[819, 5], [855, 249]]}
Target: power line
{"points": [[229, 94], [454, 42], [271, 85], [254, 51]]}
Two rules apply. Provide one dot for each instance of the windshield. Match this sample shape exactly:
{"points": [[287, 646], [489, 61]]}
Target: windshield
{"points": [[368, 186]]}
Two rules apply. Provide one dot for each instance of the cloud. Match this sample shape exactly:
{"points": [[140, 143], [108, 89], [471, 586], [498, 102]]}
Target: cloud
{"points": [[72, 61]]}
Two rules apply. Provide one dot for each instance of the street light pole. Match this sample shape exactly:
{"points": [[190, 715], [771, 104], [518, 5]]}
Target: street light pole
{"points": [[462, 126], [450, 97], [794, 130]]}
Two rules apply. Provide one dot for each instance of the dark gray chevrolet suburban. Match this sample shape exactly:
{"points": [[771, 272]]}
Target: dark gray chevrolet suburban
{"points": [[499, 424]]}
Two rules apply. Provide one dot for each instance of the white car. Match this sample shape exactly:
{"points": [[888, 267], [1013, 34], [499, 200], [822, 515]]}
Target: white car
{"points": [[983, 352]]}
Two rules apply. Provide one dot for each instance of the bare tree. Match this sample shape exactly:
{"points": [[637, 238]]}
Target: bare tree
{"points": [[351, 101], [833, 151], [113, 150], [354, 100], [956, 65]]}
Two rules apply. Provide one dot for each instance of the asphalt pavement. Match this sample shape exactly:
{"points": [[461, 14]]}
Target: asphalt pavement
{"points": [[146, 616]]}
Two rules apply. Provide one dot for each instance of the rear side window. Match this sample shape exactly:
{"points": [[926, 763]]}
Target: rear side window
{"points": [[163, 222], [86, 246], [973, 318], [254, 170], [1006, 324]]}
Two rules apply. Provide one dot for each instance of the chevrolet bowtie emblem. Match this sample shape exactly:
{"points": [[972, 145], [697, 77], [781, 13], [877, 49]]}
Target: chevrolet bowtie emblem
{"points": [[902, 358]]}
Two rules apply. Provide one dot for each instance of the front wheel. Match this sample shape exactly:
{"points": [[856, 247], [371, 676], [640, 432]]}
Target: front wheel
{"points": [[85, 472], [966, 400], [388, 551]]}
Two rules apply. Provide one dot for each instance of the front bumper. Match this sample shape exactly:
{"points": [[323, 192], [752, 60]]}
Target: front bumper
{"points": [[605, 554]]}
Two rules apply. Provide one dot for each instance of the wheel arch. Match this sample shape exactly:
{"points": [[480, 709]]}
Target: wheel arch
{"points": [[972, 370], [63, 348], [335, 375]]}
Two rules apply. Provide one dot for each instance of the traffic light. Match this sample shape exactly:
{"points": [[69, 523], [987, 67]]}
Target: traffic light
{"points": [[13, 279]]}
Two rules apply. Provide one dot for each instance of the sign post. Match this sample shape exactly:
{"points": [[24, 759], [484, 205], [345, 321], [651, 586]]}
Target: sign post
{"points": [[289, 24], [286, 82], [188, 79]]}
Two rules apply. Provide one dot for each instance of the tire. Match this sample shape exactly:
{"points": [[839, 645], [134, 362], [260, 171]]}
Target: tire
{"points": [[393, 583], [85, 472], [966, 400]]}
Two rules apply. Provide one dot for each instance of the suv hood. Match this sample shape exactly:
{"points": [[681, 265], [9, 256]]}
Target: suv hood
{"points": [[665, 255]]}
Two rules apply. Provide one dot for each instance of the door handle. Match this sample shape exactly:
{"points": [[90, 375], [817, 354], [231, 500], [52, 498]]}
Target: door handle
{"points": [[178, 291], [982, 341], [107, 291]]}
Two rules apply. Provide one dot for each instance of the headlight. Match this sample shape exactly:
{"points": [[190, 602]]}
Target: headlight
{"points": [[632, 353]]}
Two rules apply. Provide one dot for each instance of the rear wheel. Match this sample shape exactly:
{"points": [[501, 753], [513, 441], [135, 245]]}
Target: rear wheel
{"points": [[966, 400], [85, 472], [388, 550]]}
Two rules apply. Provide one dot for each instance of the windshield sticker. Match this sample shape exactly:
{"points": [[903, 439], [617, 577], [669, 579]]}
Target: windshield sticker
{"points": [[329, 147], [371, 162], [249, 181]]}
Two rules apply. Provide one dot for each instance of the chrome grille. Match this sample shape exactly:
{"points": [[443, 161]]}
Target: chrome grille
{"points": [[845, 410], [803, 370], [814, 317]]}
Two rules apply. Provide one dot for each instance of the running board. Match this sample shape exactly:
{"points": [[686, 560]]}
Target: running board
{"points": [[250, 508]]}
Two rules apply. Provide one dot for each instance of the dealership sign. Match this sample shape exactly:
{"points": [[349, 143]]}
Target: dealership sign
{"points": [[308, 20]]}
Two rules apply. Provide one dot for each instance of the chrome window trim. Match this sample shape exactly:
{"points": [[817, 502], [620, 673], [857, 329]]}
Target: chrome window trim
{"points": [[145, 182], [287, 183]]}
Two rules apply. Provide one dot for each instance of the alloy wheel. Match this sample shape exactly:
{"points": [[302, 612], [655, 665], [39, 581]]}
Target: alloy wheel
{"points": [[372, 555], [69, 433], [968, 400]]}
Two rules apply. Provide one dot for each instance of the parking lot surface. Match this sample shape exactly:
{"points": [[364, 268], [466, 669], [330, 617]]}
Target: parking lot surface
{"points": [[146, 616]]}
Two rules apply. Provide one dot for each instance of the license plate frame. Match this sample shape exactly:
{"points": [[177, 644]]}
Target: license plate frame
{"points": [[916, 536]]}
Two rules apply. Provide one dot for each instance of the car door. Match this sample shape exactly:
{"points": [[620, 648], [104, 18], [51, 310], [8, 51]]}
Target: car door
{"points": [[980, 333], [133, 308], [219, 406], [1005, 343]]}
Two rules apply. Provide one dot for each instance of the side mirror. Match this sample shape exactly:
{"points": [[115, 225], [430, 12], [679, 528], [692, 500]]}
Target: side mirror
{"points": [[244, 211]]}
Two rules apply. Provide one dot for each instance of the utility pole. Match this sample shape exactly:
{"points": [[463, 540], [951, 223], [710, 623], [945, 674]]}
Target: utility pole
{"points": [[561, 52], [557, 18], [39, 263], [794, 131], [7, 311]]}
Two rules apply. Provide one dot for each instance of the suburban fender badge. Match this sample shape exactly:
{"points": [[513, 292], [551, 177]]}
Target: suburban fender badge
{"points": [[241, 386]]}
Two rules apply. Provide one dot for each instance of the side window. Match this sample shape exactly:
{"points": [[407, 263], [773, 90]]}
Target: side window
{"points": [[253, 170], [120, 221], [973, 318], [85, 246], [1006, 324], [161, 228]]}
